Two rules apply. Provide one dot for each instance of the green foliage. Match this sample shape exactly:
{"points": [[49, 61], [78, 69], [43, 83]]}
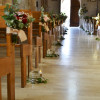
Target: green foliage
{"points": [[83, 10], [62, 38], [62, 16], [53, 19], [97, 39], [52, 55], [14, 38], [86, 17], [37, 80], [42, 14], [41, 80], [58, 44], [44, 19], [15, 19]]}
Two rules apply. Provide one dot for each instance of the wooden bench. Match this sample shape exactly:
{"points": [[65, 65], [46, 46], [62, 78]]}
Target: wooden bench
{"points": [[25, 49], [7, 68], [38, 35], [95, 28]]}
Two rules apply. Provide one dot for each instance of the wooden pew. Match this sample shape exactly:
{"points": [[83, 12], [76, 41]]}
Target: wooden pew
{"points": [[51, 34], [7, 68], [38, 35], [25, 50], [37, 41], [95, 27]]}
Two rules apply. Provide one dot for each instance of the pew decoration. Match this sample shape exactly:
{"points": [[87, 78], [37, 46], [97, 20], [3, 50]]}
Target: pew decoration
{"points": [[62, 17], [97, 18], [57, 20], [44, 20], [91, 25], [16, 21], [82, 11], [87, 25], [53, 19], [36, 78], [52, 53]]}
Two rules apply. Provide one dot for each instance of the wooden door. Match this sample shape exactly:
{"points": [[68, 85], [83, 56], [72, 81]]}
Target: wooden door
{"points": [[74, 18]]}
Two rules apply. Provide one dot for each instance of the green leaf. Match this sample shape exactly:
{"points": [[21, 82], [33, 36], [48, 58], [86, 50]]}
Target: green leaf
{"points": [[31, 20], [21, 25], [6, 8]]}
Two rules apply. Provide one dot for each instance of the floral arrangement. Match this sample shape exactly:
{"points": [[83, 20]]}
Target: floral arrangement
{"points": [[62, 17], [83, 10], [97, 18], [15, 19], [44, 19], [58, 18], [53, 19], [87, 17]]}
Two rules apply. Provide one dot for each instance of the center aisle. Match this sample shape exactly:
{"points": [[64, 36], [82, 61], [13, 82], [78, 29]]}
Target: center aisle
{"points": [[74, 75]]}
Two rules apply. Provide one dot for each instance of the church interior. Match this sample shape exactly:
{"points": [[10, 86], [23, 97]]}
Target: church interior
{"points": [[49, 50]]}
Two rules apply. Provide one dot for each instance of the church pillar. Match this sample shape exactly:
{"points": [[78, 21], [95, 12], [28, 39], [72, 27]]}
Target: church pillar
{"points": [[3, 2], [27, 4]]}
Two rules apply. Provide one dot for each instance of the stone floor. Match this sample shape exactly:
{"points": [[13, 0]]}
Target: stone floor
{"points": [[74, 75]]}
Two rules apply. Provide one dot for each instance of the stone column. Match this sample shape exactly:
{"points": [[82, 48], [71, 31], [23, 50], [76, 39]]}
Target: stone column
{"points": [[3, 2], [27, 4]]}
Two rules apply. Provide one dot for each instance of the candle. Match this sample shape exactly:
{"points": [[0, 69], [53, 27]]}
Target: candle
{"points": [[40, 72]]}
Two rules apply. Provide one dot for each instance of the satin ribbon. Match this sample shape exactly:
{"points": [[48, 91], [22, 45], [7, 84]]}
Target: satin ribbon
{"points": [[45, 26], [20, 33]]}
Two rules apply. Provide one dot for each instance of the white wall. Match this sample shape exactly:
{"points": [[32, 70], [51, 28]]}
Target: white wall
{"points": [[3, 2], [53, 5], [27, 4], [39, 5], [91, 6]]}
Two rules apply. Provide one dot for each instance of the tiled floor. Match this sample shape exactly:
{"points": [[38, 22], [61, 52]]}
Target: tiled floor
{"points": [[75, 75]]}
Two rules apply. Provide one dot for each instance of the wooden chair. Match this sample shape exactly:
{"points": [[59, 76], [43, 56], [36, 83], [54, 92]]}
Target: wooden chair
{"points": [[7, 65], [25, 50]]}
